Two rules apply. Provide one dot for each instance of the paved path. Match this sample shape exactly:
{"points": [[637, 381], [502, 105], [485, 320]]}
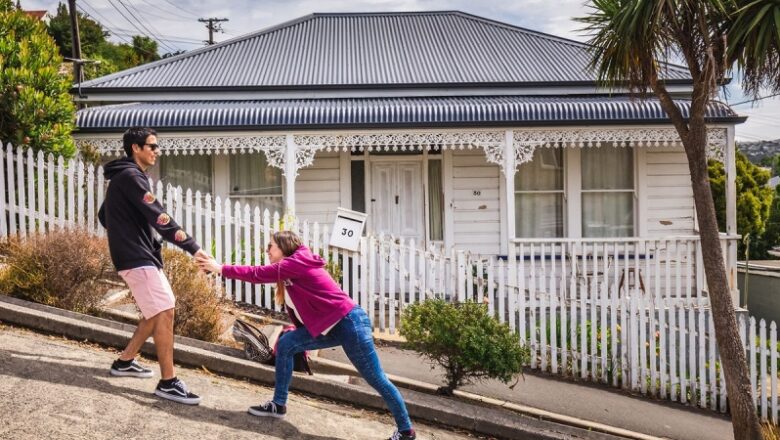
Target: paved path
{"points": [[54, 388], [588, 402]]}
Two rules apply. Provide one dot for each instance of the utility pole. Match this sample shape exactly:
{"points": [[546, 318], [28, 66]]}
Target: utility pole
{"points": [[76, 41], [213, 25]]}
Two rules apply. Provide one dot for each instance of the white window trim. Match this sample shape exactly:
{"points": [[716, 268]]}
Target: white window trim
{"points": [[635, 192], [223, 189], [572, 193]]}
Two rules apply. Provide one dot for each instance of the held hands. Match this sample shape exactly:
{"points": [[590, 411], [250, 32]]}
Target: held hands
{"points": [[207, 263]]}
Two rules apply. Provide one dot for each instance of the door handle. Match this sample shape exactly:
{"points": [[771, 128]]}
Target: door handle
{"points": [[373, 200], [396, 200]]}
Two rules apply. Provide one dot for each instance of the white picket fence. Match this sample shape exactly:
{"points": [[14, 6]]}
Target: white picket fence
{"points": [[628, 313]]}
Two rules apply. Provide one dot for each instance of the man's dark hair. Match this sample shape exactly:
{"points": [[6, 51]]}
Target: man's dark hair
{"points": [[136, 135]]}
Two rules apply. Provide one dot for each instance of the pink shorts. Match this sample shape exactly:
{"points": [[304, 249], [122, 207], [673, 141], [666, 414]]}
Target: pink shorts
{"points": [[150, 288]]}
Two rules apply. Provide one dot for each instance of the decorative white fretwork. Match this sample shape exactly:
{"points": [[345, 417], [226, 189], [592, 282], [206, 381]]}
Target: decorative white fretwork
{"points": [[304, 156], [495, 154], [715, 152], [525, 141], [586, 137], [401, 141], [716, 144], [272, 145], [523, 153], [491, 141]]}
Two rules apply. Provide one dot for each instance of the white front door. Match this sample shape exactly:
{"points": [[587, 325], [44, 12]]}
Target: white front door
{"points": [[397, 199]]}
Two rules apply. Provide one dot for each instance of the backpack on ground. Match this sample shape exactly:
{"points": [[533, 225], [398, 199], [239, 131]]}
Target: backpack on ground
{"points": [[257, 347]]}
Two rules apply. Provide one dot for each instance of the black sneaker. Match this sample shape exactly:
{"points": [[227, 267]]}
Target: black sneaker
{"points": [[130, 369], [398, 435], [269, 409], [177, 391]]}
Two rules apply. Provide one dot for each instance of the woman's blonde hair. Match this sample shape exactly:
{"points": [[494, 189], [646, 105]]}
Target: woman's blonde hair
{"points": [[288, 242]]}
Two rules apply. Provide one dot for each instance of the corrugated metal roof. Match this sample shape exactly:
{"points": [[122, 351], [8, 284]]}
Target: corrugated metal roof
{"points": [[383, 112], [337, 50]]}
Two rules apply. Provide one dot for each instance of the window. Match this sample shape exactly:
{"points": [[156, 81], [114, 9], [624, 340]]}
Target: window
{"points": [[193, 172], [254, 182], [607, 192], [358, 183], [435, 201], [539, 195]]}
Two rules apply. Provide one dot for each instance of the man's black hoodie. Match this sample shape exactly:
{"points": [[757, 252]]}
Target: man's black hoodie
{"points": [[129, 212]]}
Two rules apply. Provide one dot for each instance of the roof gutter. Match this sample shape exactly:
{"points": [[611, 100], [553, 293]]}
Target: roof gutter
{"points": [[501, 124]]}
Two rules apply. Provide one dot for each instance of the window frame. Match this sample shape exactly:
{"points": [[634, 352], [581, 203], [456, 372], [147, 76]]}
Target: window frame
{"points": [[573, 192], [562, 192], [633, 191], [243, 199]]}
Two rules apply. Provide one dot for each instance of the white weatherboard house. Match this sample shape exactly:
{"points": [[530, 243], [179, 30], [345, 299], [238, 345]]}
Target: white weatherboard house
{"points": [[524, 184], [444, 127]]}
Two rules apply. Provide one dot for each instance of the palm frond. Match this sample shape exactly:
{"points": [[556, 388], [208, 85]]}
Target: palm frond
{"points": [[754, 44], [628, 38]]}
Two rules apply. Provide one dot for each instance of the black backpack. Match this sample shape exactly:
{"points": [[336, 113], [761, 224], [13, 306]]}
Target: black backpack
{"points": [[258, 349]]}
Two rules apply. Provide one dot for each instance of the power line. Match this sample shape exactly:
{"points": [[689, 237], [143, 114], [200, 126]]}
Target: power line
{"points": [[163, 36], [172, 40], [765, 120], [151, 28], [170, 14], [179, 8], [121, 38], [168, 18], [95, 13], [131, 21], [754, 100]]}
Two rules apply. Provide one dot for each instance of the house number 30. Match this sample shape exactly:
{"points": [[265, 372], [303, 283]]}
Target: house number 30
{"points": [[476, 193], [347, 232]]}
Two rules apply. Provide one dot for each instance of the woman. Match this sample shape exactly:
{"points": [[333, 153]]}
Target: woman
{"points": [[325, 317]]}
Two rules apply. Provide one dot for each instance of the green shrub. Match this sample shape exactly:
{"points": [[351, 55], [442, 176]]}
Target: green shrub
{"points": [[198, 314], [465, 340], [60, 268], [36, 108], [334, 270]]}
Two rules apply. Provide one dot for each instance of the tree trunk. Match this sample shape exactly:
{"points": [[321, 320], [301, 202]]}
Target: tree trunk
{"points": [[744, 418]]}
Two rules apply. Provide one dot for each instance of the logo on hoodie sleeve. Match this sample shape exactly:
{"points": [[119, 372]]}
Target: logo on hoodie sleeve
{"points": [[163, 219], [149, 198], [180, 235]]}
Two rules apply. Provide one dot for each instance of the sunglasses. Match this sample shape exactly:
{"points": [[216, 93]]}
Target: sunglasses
{"points": [[153, 147]]}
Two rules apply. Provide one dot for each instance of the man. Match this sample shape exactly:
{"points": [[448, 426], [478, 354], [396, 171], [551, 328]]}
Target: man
{"points": [[129, 213]]}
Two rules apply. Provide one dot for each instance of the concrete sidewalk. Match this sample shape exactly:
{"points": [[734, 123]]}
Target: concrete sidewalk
{"points": [[588, 402]]}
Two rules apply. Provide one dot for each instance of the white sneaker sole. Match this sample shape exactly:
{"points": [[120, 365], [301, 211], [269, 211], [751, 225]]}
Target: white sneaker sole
{"points": [[120, 373], [265, 414], [177, 399]]}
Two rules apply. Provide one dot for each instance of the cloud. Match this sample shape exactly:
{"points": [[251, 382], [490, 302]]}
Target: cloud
{"points": [[762, 124], [247, 16], [176, 20]]}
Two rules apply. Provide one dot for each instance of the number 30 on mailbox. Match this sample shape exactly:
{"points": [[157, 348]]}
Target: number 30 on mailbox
{"points": [[347, 229]]}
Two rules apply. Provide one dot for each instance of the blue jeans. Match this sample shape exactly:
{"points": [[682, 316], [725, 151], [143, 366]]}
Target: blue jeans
{"points": [[353, 333]]}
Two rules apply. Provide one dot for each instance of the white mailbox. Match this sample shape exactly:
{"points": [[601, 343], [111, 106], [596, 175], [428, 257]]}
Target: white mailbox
{"points": [[347, 229]]}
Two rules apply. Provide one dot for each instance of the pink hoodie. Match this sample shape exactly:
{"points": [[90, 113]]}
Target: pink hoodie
{"points": [[317, 298]]}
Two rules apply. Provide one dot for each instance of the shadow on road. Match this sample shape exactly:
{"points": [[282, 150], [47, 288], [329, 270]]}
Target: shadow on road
{"points": [[41, 367]]}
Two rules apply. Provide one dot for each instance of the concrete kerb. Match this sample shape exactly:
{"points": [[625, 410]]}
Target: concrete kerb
{"points": [[483, 416]]}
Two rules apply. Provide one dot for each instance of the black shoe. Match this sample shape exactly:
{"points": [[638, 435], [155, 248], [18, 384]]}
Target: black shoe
{"points": [[398, 435], [177, 391], [269, 409], [130, 369]]}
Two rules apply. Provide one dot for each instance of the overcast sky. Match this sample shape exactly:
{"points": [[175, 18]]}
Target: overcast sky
{"points": [[175, 23]]}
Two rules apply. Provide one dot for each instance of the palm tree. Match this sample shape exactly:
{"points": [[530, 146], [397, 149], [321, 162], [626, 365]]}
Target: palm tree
{"points": [[631, 40]]}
